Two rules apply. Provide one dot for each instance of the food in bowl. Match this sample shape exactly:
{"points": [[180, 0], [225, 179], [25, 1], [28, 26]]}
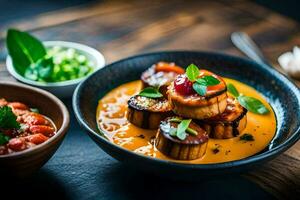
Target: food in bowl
{"points": [[216, 120], [228, 124], [210, 101], [160, 74], [64, 64], [32, 60], [146, 112], [191, 147], [22, 127]]}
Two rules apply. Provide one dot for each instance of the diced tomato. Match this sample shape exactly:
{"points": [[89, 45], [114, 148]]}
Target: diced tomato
{"points": [[17, 144], [168, 67], [18, 105], [35, 119], [45, 130], [34, 129], [215, 88], [37, 138]]}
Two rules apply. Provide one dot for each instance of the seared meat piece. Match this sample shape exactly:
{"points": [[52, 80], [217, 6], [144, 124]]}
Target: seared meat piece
{"points": [[228, 124], [146, 112], [187, 103], [161, 75], [192, 147]]}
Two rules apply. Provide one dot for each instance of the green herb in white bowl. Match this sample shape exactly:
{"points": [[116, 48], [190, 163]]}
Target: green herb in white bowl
{"points": [[56, 66]]}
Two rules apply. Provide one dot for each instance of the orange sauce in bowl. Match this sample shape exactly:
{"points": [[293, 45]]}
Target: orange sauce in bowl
{"points": [[111, 119]]}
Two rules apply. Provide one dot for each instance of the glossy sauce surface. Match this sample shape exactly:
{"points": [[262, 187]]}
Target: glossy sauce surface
{"points": [[111, 118]]}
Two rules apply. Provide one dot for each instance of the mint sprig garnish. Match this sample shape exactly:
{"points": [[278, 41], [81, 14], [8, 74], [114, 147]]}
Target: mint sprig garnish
{"points": [[182, 128], [208, 81], [200, 84], [192, 72], [253, 105], [150, 92], [250, 103], [232, 90], [200, 89]]}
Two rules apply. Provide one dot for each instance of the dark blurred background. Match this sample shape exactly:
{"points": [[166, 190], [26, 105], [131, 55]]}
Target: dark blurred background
{"points": [[289, 8], [18, 9]]}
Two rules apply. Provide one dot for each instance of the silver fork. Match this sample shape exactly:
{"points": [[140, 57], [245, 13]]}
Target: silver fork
{"points": [[244, 43]]}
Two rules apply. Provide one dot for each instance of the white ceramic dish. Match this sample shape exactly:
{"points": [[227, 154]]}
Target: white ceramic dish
{"points": [[62, 89]]}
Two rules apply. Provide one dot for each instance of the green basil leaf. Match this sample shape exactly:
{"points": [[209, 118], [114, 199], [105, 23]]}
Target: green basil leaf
{"points": [[173, 131], [253, 105], [24, 49], [200, 89], [7, 118], [192, 72], [232, 90], [201, 81], [3, 139], [210, 80], [184, 124], [181, 135], [150, 92], [44, 67]]}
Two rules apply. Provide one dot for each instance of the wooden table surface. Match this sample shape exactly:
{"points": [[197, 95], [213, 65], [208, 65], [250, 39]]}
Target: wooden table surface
{"points": [[124, 28]]}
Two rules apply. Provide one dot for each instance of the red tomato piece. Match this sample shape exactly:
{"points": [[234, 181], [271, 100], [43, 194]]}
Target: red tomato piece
{"points": [[168, 67], [45, 130], [37, 138], [17, 144], [18, 105], [35, 119]]}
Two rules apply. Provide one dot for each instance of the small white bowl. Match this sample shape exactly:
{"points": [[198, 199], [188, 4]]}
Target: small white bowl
{"points": [[61, 89]]}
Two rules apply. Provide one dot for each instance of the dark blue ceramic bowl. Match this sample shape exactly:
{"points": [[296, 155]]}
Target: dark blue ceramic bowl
{"points": [[283, 96]]}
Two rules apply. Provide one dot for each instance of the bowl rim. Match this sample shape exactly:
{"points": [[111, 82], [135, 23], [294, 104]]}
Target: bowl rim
{"points": [[210, 166], [61, 132], [100, 63]]}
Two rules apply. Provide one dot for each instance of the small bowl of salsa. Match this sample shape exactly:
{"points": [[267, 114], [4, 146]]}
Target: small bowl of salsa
{"points": [[33, 123]]}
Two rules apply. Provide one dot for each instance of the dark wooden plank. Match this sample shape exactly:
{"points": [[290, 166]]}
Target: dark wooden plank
{"points": [[106, 25]]}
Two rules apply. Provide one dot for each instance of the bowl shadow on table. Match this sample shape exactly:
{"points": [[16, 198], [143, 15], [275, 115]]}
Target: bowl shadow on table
{"points": [[129, 183], [42, 185]]}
